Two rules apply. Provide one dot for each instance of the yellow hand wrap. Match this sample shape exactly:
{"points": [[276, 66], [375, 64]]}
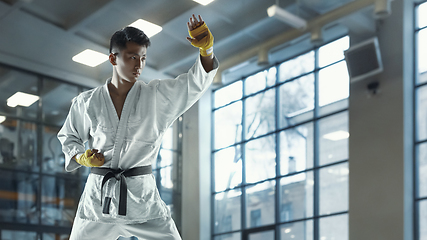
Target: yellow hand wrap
{"points": [[86, 160], [204, 43]]}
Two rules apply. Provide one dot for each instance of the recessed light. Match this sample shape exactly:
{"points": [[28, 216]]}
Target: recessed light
{"points": [[2, 119], [22, 99], [203, 2], [336, 136], [90, 58], [150, 29]]}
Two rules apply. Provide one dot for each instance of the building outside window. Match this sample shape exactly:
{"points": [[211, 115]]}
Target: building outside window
{"points": [[280, 150], [421, 123]]}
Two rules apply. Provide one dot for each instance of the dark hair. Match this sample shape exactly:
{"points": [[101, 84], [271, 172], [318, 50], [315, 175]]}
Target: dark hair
{"points": [[128, 34]]}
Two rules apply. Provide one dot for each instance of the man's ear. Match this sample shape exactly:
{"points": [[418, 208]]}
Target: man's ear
{"points": [[112, 59]]}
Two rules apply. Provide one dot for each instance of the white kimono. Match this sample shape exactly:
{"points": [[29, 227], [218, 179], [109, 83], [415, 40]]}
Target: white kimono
{"points": [[132, 141]]}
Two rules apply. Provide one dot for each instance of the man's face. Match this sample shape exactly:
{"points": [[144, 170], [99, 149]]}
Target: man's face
{"points": [[130, 61]]}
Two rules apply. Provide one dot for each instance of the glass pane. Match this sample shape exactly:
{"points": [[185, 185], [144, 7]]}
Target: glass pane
{"points": [[18, 145], [228, 94], [18, 197], [296, 197], [333, 142], [54, 236], [12, 235], [13, 81], [165, 157], [231, 236], [297, 231], [333, 52], [297, 101], [166, 185], [335, 227], [57, 97], [260, 81], [423, 220], [228, 168], [260, 159], [228, 125], [422, 169], [260, 204], [262, 235], [333, 192], [296, 149], [422, 15], [260, 114], [422, 55], [421, 113], [334, 84], [296, 67], [227, 211], [60, 197], [167, 142]]}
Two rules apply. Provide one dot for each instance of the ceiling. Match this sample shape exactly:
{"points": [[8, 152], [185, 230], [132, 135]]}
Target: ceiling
{"points": [[43, 35]]}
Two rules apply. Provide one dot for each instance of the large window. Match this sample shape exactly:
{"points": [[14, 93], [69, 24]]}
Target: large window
{"points": [[280, 150], [421, 122]]}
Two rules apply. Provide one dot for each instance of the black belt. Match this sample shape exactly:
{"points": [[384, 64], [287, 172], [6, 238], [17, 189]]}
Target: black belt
{"points": [[120, 175]]}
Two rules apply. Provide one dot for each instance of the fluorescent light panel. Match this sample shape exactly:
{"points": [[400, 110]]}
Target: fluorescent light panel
{"points": [[336, 136], [90, 58], [2, 119], [150, 29], [22, 99], [203, 2], [286, 17]]}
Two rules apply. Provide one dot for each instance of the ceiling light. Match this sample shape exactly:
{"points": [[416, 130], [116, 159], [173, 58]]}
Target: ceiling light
{"points": [[2, 119], [287, 17], [336, 136], [22, 99], [203, 2], [90, 58], [150, 29]]}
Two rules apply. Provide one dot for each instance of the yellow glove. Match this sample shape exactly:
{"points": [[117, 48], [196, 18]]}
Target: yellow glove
{"points": [[203, 39], [91, 159]]}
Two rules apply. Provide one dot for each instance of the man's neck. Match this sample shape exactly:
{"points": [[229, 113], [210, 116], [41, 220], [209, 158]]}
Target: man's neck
{"points": [[119, 87]]}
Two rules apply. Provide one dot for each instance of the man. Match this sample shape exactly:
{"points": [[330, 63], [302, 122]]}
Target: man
{"points": [[123, 123]]}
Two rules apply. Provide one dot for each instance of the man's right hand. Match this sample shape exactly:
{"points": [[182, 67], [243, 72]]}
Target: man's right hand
{"points": [[91, 158]]}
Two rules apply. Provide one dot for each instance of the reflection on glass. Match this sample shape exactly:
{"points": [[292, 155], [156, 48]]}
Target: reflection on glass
{"points": [[18, 194], [296, 149], [260, 114], [334, 83], [298, 230], [227, 211], [18, 145], [333, 52], [333, 142], [54, 236], [228, 168], [297, 101], [422, 169], [11, 82], [422, 15], [422, 55], [228, 125], [297, 66], [260, 81], [56, 98], [296, 197], [262, 235], [421, 113], [333, 192], [60, 197], [260, 204], [335, 227], [230, 236], [12, 235], [422, 219], [260, 159], [228, 94]]}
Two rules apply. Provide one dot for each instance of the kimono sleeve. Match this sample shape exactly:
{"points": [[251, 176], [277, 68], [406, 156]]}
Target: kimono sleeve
{"points": [[175, 96], [74, 133]]}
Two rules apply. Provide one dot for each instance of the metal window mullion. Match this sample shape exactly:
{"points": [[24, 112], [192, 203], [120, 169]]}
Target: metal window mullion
{"points": [[39, 142], [243, 149], [278, 195], [415, 210], [316, 186], [213, 213]]}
